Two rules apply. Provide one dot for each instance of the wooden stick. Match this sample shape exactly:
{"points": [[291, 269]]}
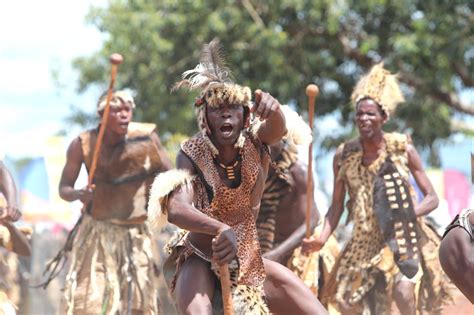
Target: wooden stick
{"points": [[226, 290], [115, 60], [312, 91]]}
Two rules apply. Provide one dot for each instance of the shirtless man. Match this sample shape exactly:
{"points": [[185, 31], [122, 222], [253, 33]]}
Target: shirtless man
{"points": [[113, 244], [456, 252], [281, 220]]}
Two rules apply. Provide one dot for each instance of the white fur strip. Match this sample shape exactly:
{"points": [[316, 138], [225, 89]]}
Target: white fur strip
{"points": [[162, 186], [298, 130]]}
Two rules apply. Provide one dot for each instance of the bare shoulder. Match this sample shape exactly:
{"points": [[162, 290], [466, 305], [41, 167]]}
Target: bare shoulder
{"points": [[414, 159], [410, 148], [74, 150], [338, 155], [184, 162]]}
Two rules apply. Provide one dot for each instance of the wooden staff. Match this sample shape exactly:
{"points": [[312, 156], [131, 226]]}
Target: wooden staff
{"points": [[312, 91], [226, 290], [115, 60]]}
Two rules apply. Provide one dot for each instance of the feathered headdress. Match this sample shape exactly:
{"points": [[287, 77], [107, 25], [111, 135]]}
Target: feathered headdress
{"points": [[381, 86], [214, 79]]}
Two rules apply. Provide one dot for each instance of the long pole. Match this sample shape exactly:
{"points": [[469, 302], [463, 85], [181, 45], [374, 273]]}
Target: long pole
{"points": [[312, 91], [115, 60]]}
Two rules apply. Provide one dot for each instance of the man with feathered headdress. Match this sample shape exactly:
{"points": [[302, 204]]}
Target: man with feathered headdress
{"points": [[390, 252], [214, 195]]}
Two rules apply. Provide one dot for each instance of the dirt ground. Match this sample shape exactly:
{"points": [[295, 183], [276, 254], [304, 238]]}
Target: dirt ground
{"points": [[461, 306]]}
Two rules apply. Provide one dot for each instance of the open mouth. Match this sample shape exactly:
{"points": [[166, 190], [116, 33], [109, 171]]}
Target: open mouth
{"points": [[226, 129], [364, 127]]}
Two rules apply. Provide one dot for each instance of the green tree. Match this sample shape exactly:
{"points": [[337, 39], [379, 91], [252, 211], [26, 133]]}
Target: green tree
{"points": [[281, 46]]}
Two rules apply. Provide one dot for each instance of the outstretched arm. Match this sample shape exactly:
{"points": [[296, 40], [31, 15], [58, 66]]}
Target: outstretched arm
{"points": [[69, 175], [335, 210], [267, 108], [430, 200]]}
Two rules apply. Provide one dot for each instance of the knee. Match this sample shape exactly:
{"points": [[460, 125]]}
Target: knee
{"points": [[200, 304], [404, 295]]}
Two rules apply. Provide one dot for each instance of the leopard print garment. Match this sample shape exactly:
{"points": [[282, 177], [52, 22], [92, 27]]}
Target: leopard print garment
{"points": [[359, 257], [232, 205], [366, 270]]}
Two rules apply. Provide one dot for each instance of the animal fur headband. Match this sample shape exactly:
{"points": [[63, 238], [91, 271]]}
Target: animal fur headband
{"points": [[381, 86], [118, 97]]}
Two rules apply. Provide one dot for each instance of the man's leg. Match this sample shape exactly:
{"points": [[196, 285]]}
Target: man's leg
{"points": [[195, 287], [404, 296], [287, 294]]}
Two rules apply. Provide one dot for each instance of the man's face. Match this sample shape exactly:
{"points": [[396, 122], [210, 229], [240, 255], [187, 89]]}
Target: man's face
{"points": [[119, 118], [225, 122], [369, 118]]}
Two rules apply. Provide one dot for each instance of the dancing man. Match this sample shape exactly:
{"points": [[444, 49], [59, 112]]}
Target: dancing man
{"points": [[112, 267], [214, 195], [390, 252]]}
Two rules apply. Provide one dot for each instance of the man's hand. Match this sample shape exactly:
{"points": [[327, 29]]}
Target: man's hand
{"points": [[312, 245], [265, 105], [85, 194], [10, 213], [224, 246]]}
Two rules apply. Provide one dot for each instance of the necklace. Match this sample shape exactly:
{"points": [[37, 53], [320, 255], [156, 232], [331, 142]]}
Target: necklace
{"points": [[230, 170]]}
